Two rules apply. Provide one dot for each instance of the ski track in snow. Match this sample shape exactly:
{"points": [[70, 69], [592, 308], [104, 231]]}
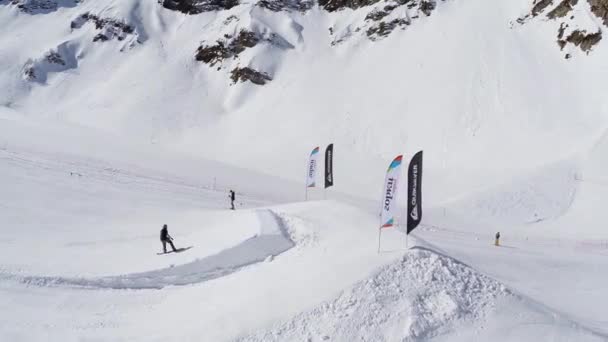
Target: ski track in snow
{"points": [[272, 240]]}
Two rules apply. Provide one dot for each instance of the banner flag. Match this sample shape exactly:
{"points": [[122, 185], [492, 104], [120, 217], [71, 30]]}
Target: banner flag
{"points": [[389, 204], [312, 168], [329, 166], [414, 192]]}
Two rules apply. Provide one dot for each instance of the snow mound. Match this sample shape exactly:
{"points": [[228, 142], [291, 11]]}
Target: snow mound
{"points": [[422, 295], [272, 240]]}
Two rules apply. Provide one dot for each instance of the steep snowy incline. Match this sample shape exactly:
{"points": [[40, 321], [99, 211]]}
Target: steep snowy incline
{"points": [[485, 97]]}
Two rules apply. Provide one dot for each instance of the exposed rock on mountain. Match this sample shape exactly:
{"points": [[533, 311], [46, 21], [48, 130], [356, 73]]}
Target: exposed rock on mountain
{"points": [[574, 28], [382, 17], [221, 50], [62, 58], [108, 28], [40, 6], [249, 74], [600, 9], [198, 6], [582, 39], [231, 48], [289, 5]]}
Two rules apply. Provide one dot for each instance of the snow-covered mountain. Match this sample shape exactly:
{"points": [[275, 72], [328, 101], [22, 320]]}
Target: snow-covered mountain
{"points": [[119, 115]]}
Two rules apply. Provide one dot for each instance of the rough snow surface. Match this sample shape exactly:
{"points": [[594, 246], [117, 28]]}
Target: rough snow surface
{"points": [[422, 295]]}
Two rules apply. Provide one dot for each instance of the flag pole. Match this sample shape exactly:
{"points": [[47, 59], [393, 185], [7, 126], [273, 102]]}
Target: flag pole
{"points": [[379, 235]]}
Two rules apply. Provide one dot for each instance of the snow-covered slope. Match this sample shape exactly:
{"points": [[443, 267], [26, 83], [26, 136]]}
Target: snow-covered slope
{"points": [[484, 96], [117, 116]]}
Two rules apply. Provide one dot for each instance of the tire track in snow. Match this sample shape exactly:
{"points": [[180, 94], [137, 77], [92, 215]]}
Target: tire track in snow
{"points": [[272, 240]]}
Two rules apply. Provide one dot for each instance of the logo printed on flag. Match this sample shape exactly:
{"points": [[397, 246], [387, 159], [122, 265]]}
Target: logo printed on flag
{"points": [[414, 203], [312, 168], [390, 193]]}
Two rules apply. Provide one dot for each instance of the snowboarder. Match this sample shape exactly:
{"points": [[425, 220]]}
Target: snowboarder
{"points": [[232, 197], [497, 242], [166, 238]]}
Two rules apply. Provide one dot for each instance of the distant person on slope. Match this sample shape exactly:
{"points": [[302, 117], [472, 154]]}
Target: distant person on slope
{"points": [[166, 238], [497, 242], [232, 197]]}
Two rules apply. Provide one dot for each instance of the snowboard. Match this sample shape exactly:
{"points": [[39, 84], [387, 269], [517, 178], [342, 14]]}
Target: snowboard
{"points": [[177, 250]]}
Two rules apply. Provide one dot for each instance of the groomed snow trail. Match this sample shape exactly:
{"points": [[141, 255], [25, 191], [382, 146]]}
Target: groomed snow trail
{"points": [[272, 240]]}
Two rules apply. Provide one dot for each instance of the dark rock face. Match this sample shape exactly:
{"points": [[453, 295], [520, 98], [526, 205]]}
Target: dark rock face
{"points": [[198, 6], [562, 9], [289, 5], [221, 50], [384, 28], [55, 58], [111, 28], [600, 9], [427, 7], [248, 74], [334, 5], [40, 6], [540, 6], [233, 46], [378, 15], [564, 13], [586, 41]]}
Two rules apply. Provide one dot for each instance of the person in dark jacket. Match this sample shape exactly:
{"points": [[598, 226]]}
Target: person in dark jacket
{"points": [[166, 238], [232, 197], [497, 242]]}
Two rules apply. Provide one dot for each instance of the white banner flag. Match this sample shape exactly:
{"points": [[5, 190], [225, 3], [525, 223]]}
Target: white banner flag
{"points": [[389, 200], [311, 174]]}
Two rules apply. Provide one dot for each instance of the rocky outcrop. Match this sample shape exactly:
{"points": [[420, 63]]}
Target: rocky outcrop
{"points": [[249, 74], [383, 17], [60, 59], [221, 50], [570, 30], [334, 5], [286, 5], [198, 6], [585, 41], [107, 28], [384, 28], [600, 9], [540, 6], [40, 6], [233, 46], [562, 9]]}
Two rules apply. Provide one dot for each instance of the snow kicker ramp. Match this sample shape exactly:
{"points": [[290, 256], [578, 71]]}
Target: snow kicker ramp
{"points": [[423, 296], [272, 240]]}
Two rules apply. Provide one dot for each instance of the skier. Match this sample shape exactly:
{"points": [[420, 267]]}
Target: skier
{"points": [[496, 242], [166, 238], [232, 197]]}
